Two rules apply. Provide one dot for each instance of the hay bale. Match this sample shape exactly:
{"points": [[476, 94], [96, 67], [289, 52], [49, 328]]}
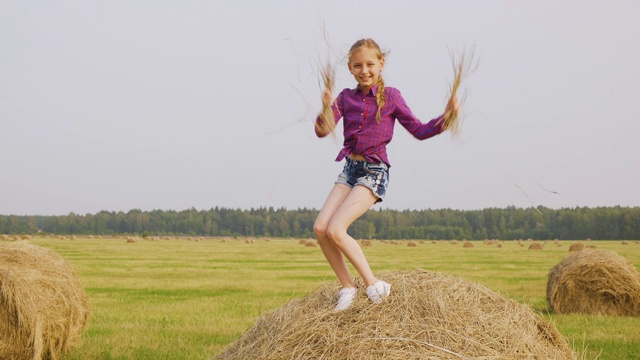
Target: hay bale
{"points": [[429, 315], [536, 246], [412, 244], [576, 247], [366, 243], [467, 244], [311, 243], [594, 281], [43, 307]]}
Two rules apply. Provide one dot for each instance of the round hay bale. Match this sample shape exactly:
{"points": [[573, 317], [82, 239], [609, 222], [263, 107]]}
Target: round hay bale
{"points": [[43, 307], [412, 244], [576, 247], [536, 246], [467, 244], [427, 316], [366, 243], [311, 243], [594, 281]]}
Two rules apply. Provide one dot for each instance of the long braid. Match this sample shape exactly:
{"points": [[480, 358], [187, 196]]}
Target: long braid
{"points": [[380, 97]]}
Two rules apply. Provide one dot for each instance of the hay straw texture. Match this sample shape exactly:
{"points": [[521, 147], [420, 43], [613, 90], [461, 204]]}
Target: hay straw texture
{"points": [[463, 66], [328, 121], [593, 281], [427, 316], [43, 307]]}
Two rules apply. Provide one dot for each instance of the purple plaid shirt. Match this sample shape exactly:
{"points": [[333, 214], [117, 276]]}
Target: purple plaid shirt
{"points": [[363, 134]]}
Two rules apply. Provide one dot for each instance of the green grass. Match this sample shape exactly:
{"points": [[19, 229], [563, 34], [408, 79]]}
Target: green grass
{"points": [[180, 299]]}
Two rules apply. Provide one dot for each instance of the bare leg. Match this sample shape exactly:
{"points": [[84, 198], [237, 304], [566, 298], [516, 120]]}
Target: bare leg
{"points": [[331, 252], [356, 203]]}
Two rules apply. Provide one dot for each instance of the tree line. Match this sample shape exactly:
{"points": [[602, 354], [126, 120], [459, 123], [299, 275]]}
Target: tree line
{"points": [[601, 223]]}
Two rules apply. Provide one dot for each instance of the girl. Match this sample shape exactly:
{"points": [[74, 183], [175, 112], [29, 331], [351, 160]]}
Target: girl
{"points": [[369, 113]]}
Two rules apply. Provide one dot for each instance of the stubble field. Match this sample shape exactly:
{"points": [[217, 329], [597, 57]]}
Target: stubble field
{"points": [[187, 299]]}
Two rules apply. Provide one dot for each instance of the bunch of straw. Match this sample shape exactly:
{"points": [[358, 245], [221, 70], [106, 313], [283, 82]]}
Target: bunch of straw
{"points": [[462, 67], [593, 281], [427, 316], [328, 121], [43, 307]]}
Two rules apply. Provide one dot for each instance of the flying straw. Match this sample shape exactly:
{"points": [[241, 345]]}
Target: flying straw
{"points": [[462, 67], [328, 75]]}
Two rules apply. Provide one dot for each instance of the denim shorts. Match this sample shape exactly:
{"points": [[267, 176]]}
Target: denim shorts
{"points": [[374, 176]]}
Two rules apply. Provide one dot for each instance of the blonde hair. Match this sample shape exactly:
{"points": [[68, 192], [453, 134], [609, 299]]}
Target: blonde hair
{"points": [[371, 44]]}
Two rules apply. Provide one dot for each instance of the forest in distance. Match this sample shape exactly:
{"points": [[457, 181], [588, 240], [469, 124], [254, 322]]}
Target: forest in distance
{"points": [[511, 223], [540, 223]]}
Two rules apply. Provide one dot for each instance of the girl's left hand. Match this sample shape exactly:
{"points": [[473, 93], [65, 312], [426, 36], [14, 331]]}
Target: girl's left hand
{"points": [[453, 107]]}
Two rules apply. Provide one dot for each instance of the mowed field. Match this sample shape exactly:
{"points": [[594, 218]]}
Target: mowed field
{"points": [[187, 299]]}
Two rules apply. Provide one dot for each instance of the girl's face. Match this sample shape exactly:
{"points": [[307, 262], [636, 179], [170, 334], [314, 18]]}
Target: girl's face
{"points": [[366, 67]]}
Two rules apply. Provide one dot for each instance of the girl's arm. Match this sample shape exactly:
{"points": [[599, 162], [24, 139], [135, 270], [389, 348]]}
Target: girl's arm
{"points": [[411, 122], [325, 126]]}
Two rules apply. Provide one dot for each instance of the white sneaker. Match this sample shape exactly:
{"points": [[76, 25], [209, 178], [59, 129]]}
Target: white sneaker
{"points": [[346, 298], [378, 291]]}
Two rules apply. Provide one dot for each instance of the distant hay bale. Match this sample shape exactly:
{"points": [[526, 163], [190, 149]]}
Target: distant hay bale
{"points": [[248, 241], [576, 247], [311, 243], [536, 246], [499, 245], [427, 316], [366, 243], [467, 244], [412, 244], [453, 242], [434, 242], [43, 307], [594, 282], [625, 242]]}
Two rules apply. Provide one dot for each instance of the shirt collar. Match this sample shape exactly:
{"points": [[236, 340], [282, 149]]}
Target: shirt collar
{"points": [[373, 91]]}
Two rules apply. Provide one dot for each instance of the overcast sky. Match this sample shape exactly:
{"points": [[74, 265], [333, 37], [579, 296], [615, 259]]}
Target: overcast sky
{"points": [[120, 105]]}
